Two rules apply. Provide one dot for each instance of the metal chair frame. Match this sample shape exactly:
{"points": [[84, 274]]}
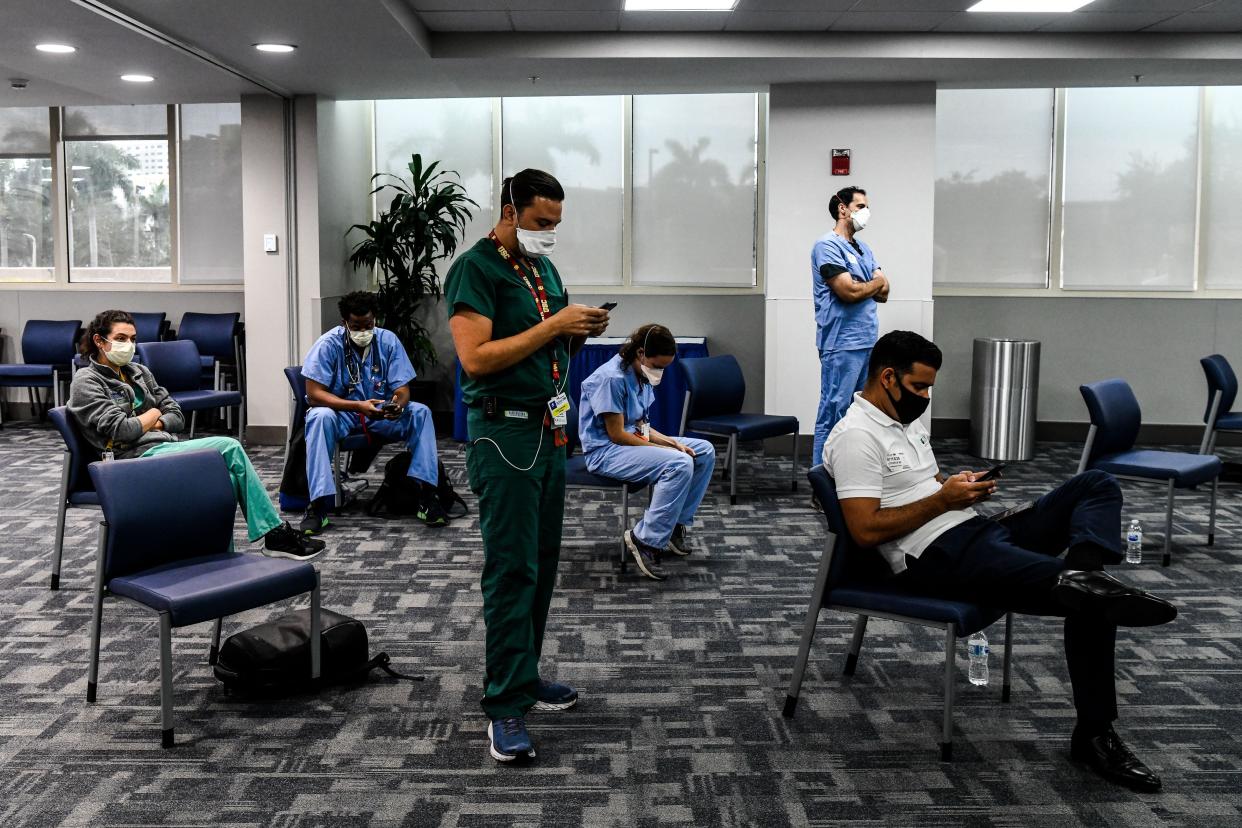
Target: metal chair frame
{"points": [[729, 468]]}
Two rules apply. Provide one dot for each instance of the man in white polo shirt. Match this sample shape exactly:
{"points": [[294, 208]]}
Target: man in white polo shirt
{"points": [[895, 499]]}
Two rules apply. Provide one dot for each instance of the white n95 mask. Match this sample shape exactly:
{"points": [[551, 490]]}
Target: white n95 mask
{"points": [[535, 243], [362, 338], [653, 375], [119, 353], [860, 218]]}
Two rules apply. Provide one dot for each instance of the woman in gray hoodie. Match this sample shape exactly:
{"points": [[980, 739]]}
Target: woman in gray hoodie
{"points": [[123, 412]]}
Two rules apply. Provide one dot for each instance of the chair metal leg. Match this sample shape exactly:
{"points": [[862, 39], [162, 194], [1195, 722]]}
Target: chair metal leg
{"points": [[1212, 514], [92, 675], [732, 469], [314, 631], [950, 645], [62, 506], [241, 420], [808, 632], [56, 388], [625, 524], [793, 466], [213, 654], [851, 658], [193, 423], [1168, 528], [336, 478], [166, 698], [1008, 655]]}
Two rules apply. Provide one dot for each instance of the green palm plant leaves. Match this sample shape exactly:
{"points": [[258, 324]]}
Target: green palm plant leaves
{"points": [[422, 225]]}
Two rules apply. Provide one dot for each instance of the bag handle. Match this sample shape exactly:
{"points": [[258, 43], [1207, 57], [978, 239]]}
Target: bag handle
{"points": [[383, 662]]}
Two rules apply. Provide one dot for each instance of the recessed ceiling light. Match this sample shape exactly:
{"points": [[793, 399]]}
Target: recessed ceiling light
{"points": [[137, 78], [680, 5], [274, 47], [56, 48], [1029, 6]]}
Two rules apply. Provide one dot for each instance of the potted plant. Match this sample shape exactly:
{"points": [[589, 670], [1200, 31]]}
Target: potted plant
{"points": [[422, 224]]}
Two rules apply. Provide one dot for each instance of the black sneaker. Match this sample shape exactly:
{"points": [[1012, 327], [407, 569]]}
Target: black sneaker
{"points": [[647, 557], [312, 524], [679, 543], [431, 512], [286, 542]]}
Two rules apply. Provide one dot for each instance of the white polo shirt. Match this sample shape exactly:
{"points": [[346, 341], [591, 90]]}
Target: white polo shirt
{"points": [[869, 454]]}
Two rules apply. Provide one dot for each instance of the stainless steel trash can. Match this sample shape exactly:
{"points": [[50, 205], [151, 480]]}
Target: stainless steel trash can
{"points": [[1004, 393]]}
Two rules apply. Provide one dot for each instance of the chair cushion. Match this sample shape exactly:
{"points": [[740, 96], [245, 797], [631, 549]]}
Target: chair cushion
{"points": [[1230, 422], [199, 400], [201, 589], [16, 371], [576, 474], [1184, 468], [966, 618], [90, 498], [208, 363], [746, 426]]}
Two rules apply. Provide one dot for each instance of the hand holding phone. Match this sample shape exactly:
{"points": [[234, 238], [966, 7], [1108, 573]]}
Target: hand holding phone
{"points": [[391, 409], [992, 473], [608, 306]]}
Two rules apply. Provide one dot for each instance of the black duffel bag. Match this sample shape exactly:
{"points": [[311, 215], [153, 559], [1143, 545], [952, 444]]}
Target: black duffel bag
{"points": [[275, 658]]}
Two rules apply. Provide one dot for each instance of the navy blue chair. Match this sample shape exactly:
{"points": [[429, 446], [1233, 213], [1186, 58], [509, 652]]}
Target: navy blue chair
{"points": [[576, 474], [176, 367], [151, 327], [352, 443], [173, 554], [217, 336], [849, 582], [1115, 421], [715, 391], [48, 348], [1222, 393], [76, 488]]}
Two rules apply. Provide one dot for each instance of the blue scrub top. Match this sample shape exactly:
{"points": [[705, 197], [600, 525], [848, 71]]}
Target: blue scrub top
{"points": [[380, 371], [841, 326], [612, 389]]}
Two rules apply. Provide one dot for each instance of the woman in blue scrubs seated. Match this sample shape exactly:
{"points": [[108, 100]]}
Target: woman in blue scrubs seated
{"points": [[618, 441]]}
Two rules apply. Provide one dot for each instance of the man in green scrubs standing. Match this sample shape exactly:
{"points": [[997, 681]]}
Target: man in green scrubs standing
{"points": [[515, 330]]}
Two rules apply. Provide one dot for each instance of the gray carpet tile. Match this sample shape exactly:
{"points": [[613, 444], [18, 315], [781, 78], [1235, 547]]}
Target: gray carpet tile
{"points": [[682, 684]]}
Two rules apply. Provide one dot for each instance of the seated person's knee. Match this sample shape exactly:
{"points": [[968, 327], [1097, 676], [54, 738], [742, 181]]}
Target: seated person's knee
{"points": [[319, 414]]}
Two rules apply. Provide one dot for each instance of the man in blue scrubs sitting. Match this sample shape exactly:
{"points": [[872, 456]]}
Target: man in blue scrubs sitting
{"points": [[846, 283], [617, 438], [358, 382]]}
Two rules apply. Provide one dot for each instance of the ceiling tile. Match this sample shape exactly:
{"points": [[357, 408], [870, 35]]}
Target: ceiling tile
{"points": [[1201, 22], [673, 21], [996, 22], [1136, 6], [462, 21], [560, 21], [912, 5], [793, 5], [1104, 22], [781, 21], [889, 21]]}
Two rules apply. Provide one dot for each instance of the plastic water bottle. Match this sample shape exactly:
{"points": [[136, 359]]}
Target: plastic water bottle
{"points": [[977, 648], [1134, 543]]}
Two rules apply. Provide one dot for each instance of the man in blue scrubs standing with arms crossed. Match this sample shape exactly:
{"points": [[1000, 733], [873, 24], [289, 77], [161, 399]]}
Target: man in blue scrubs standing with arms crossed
{"points": [[847, 283]]}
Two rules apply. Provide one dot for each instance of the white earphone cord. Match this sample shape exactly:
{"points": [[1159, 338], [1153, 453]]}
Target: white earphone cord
{"points": [[538, 448]]}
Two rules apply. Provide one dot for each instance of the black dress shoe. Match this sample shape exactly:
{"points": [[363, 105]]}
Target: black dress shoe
{"points": [[1108, 756], [1100, 593]]}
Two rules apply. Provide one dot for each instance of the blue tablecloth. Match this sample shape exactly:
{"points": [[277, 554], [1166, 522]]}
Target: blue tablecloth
{"points": [[669, 394]]}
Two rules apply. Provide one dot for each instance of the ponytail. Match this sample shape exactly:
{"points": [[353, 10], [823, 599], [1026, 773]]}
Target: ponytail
{"points": [[652, 339]]}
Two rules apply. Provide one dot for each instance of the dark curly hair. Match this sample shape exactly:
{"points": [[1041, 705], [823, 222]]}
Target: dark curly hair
{"points": [[358, 303], [102, 325], [652, 339]]}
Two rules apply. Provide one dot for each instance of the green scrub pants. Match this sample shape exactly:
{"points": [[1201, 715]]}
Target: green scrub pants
{"points": [[261, 515], [520, 515]]}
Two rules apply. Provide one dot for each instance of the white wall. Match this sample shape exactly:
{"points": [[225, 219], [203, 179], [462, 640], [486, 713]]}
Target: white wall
{"points": [[891, 131]]}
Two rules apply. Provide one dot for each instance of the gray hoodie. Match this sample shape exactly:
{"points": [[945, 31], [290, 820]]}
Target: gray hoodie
{"points": [[102, 404]]}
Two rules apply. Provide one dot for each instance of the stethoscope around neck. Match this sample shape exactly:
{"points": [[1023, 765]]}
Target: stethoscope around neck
{"points": [[353, 363]]}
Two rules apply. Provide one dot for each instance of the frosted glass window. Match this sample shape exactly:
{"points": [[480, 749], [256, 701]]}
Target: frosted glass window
{"points": [[993, 176], [1129, 202], [145, 120], [578, 140], [457, 132], [26, 230], [1221, 243], [694, 190], [210, 182]]}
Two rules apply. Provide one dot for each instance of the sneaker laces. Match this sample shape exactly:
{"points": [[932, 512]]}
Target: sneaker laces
{"points": [[511, 726]]}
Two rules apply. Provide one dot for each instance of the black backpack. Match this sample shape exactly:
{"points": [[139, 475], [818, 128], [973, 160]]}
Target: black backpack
{"points": [[401, 495], [274, 659]]}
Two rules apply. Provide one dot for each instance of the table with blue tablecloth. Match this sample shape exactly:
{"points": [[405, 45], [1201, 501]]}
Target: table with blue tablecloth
{"points": [[669, 394]]}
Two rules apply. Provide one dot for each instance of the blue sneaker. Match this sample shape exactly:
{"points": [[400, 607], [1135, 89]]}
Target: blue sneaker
{"points": [[508, 739], [552, 697]]}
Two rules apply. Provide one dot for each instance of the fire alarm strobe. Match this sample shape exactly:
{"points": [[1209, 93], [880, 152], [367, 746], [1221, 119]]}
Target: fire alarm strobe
{"points": [[840, 162]]}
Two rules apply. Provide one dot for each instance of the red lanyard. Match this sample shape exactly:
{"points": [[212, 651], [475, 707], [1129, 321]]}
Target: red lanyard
{"points": [[537, 292]]}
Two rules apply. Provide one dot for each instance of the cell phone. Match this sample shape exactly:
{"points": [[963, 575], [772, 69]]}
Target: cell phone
{"points": [[390, 407], [608, 306], [992, 473]]}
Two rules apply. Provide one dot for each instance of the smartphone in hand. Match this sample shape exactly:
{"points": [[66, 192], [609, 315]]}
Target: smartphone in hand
{"points": [[608, 306], [992, 473], [390, 408]]}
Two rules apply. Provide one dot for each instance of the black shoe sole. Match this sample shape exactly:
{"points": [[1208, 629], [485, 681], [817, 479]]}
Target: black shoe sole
{"points": [[1128, 609]]}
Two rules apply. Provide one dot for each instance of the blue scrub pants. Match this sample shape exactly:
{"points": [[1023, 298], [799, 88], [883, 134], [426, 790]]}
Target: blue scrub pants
{"points": [[326, 427], [841, 375], [678, 482]]}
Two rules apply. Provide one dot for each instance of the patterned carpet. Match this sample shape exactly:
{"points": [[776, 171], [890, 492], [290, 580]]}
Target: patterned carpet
{"points": [[682, 685]]}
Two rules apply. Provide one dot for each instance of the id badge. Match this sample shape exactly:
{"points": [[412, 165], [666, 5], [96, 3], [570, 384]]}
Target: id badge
{"points": [[559, 408]]}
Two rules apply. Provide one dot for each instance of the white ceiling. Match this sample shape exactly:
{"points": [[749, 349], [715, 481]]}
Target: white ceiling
{"points": [[359, 49]]}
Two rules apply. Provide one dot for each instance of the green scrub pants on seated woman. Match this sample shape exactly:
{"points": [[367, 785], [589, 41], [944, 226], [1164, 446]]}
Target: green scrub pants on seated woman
{"points": [[261, 515], [521, 513]]}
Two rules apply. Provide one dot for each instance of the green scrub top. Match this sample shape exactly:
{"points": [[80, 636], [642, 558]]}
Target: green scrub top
{"points": [[483, 282]]}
